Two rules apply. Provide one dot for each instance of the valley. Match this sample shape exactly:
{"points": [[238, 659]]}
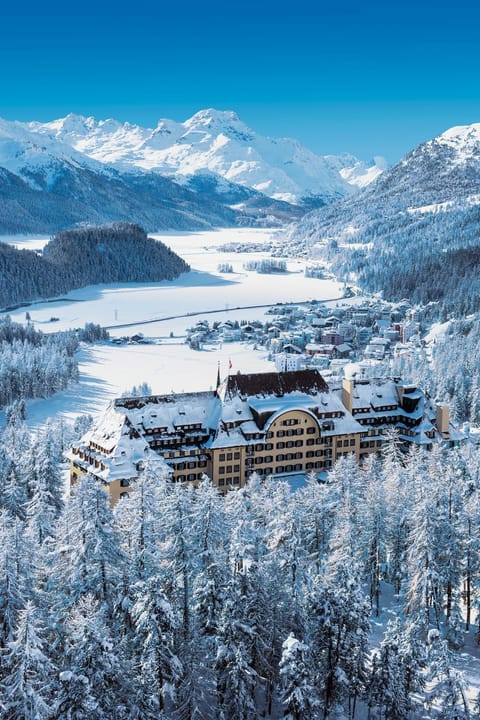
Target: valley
{"points": [[410, 235], [108, 370]]}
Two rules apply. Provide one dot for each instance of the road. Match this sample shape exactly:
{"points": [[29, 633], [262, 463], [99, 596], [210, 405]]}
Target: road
{"points": [[220, 310]]}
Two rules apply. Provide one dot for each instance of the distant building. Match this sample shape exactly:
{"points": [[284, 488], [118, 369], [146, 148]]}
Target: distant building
{"points": [[271, 423], [289, 362], [331, 337]]}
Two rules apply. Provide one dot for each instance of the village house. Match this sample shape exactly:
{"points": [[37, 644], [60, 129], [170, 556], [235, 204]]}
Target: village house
{"points": [[272, 423]]}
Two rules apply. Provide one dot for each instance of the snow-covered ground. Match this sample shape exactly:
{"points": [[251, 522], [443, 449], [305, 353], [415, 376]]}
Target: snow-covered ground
{"points": [[108, 370], [204, 288], [26, 242]]}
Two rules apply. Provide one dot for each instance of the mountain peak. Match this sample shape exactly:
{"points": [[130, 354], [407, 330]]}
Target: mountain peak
{"points": [[463, 132], [211, 116], [215, 141]]}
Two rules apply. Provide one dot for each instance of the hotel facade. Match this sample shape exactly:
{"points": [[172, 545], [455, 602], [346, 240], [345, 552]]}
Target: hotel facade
{"points": [[282, 424]]}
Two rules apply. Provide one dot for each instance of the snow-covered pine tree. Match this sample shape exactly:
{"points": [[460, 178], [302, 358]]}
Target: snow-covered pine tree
{"points": [[395, 677], [29, 686], [447, 692], [159, 669], [298, 691], [95, 679]]}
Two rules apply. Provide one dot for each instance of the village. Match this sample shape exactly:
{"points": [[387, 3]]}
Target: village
{"points": [[321, 336]]}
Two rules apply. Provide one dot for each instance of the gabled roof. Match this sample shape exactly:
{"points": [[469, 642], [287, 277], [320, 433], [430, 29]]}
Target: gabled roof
{"points": [[275, 383]]}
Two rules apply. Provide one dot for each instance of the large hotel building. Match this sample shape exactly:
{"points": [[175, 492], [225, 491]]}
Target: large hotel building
{"points": [[282, 424]]}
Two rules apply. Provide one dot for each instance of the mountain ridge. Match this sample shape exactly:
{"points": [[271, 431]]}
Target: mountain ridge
{"points": [[396, 235], [215, 141]]}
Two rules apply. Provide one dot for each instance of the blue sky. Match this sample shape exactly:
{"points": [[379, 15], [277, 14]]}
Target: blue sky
{"points": [[363, 77]]}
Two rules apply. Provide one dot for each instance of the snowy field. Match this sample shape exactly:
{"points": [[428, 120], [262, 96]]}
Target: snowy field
{"points": [[168, 364], [204, 288], [107, 371]]}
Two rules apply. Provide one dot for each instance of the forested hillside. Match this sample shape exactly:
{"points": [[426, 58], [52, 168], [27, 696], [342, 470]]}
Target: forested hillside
{"points": [[184, 603], [63, 194], [415, 232], [32, 364], [99, 254]]}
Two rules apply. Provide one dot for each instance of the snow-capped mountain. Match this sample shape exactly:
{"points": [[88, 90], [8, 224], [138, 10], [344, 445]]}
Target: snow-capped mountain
{"points": [[209, 170], [217, 142], [398, 232], [46, 185], [39, 158]]}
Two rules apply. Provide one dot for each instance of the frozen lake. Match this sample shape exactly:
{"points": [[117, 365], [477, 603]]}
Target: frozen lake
{"points": [[108, 370], [204, 288]]}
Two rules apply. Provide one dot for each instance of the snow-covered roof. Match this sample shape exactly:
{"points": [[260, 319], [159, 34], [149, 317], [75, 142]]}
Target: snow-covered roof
{"points": [[170, 411], [113, 450]]}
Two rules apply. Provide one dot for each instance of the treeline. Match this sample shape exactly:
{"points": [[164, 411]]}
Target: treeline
{"points": [[451, 370], [431, 259], [266, 266], [59, 194], [183, 603], [413, 233], [34, 365], [121, 252]]}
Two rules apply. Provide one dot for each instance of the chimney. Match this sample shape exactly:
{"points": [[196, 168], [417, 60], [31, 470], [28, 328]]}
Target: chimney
{"points": [[443, 418], [347, 394]]}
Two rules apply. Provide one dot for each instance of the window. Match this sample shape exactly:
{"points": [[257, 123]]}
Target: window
{"points": [[123, 494], [221, 470], [269, 446], [280, 445], [229, 456], [236, 468], [280, 433], [221, 481], [229, 468], [352, 442], [290, 443], [298, 443], [310, 430], [221, 457], [236, 480], [191, 476], [236, 456], [279, 457], [310, 441], [124, 483], [279, 469], [310, 453]]}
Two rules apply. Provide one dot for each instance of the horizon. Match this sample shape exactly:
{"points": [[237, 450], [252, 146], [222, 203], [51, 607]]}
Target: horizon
{"points": [[370, 80]]}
